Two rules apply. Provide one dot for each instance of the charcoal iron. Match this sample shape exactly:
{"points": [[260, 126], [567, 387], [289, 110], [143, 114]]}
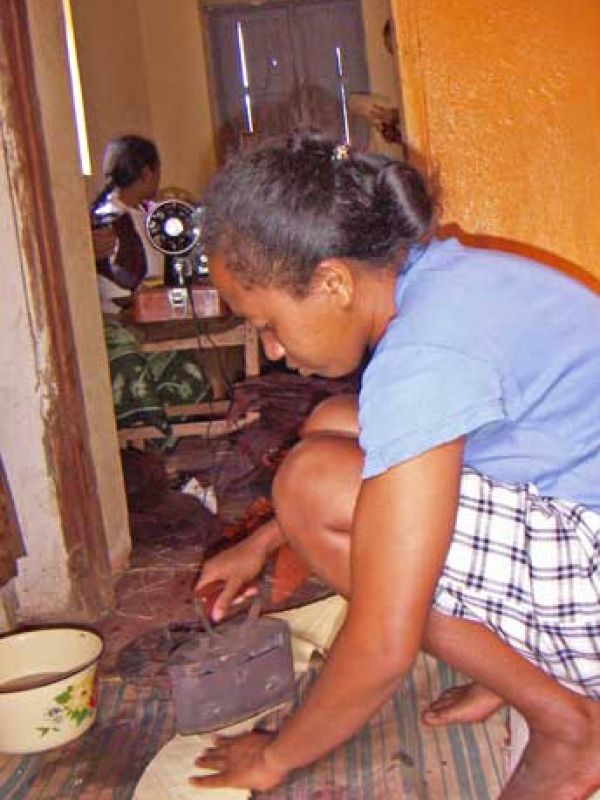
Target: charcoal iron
{"points": [[230, 672]]}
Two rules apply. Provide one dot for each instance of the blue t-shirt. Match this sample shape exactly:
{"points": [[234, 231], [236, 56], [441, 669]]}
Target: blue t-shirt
{"points": [[498, 348]]}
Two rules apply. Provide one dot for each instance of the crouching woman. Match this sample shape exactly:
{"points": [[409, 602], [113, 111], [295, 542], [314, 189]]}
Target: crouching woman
{"points": [[456, 503]]}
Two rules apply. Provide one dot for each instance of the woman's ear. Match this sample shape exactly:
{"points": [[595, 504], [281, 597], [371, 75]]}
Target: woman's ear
{"points": [[334, 278]]}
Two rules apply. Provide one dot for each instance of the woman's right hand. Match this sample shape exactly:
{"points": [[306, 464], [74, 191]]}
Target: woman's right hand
{"points": [[235, 568]]}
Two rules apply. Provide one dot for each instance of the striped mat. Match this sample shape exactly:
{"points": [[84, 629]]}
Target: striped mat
{"points": [[393, 757]]}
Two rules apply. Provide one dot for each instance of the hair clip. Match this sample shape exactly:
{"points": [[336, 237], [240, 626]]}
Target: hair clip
{"points": [[340, 152]]}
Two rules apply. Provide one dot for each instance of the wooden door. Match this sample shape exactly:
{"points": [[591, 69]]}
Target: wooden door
{"points": [[287, 66]]}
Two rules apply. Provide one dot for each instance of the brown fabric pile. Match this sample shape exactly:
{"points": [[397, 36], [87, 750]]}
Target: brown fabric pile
{"points": [[284, 400]]}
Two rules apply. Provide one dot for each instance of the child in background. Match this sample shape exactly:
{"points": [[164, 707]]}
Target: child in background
{"points": [[456, 502]]}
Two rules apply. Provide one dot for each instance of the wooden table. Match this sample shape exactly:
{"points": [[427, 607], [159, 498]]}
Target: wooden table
{"points": [[204, 334]]}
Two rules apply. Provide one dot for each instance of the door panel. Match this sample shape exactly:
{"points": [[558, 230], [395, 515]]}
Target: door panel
{"points": [[328, 36], [271, 69], [276, 69]]}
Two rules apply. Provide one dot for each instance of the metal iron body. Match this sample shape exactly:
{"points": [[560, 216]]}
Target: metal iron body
{"points": [[230, 673]]}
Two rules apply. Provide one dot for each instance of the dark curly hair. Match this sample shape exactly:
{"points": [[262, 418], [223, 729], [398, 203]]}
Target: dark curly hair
{"points": [[276, 212]]}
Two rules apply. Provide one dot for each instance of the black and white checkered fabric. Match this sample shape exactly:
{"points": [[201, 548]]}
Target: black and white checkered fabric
{"points": [[528, 567]]}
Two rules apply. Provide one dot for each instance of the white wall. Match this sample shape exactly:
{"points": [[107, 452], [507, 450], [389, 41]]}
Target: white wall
{"points": [[42, 589], [112, 67], [178, 92], [143, 72], [42, 584]]}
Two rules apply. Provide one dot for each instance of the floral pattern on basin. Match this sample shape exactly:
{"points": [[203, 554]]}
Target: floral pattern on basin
{"points": [[75, 704]]}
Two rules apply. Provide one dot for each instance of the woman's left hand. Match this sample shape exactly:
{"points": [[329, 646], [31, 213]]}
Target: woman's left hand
{"points": [[239, 762]]}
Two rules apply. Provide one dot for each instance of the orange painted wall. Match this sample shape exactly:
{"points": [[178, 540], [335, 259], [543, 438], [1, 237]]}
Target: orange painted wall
{"points": [[503, 99]]}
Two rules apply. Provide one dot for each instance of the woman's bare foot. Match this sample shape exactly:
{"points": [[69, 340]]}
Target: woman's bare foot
{"points": [[560, 767], [469, 702]]}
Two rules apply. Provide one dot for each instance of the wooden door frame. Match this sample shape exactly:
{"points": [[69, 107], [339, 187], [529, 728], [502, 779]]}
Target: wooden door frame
{"points": [[66, 441]]}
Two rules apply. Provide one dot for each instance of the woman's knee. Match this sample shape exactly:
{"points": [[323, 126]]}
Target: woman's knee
{"points": [[318, 479], [336, 415]]}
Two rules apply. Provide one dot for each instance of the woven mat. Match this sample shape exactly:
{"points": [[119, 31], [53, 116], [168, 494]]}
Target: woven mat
{"points": [[393, 757]]}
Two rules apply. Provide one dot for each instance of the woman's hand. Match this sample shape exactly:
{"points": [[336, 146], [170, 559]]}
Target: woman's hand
{"points": [[237, 567], [241, 762], [104, 241]]}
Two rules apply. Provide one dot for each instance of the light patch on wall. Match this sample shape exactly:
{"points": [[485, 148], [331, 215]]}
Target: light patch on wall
{"points": [[76, 93]]}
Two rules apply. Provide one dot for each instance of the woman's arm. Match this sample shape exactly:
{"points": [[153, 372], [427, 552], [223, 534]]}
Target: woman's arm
{"points": [[124, 263], [402, 529]]}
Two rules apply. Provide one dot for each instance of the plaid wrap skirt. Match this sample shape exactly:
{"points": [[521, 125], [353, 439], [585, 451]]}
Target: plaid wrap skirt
{"points": [[528, 568]]}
